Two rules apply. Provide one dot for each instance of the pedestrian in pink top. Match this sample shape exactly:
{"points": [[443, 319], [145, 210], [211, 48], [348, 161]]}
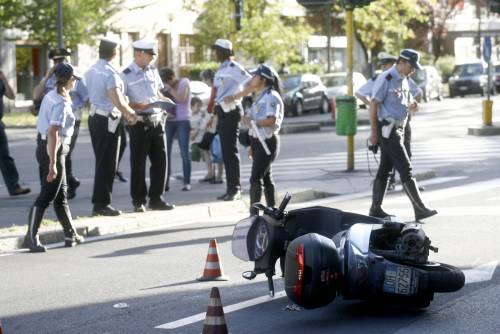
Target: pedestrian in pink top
{"points": [[178, 122]]}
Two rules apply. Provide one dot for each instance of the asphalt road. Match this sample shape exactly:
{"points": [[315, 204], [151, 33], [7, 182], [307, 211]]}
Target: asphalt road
{"points": [[153, 272]]}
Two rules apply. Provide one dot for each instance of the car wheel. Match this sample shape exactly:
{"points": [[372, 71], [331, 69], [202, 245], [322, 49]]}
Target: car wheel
{"points": [[299, 108], [325, 106]]}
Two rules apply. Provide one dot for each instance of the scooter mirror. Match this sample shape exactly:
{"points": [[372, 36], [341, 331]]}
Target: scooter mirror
{"points": [[249, 275], [259, 206]]}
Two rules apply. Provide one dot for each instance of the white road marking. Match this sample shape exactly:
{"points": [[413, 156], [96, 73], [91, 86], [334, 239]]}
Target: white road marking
{"points": [[480, 273], [228, 309], [348, 197], [448, 193]]}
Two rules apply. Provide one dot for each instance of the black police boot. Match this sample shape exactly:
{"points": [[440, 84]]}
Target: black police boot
{"points": [[379, 189], [269, 194], [31, 240], [255, 196], [421, 212], [233, 196], [73, 184], [71, 237]]}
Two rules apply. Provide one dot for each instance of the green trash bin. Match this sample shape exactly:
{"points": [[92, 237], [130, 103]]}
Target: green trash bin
{"points": [[346, 120]]}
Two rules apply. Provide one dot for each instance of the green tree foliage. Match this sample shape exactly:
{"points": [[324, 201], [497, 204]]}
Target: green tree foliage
{"points": [[10, 11], [385, 23], [265, 34], [82, 20]]}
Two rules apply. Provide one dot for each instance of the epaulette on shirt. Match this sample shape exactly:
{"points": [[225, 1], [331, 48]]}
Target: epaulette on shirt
{"points": [[374, 77], [388, 77], [231, 64], [127, 70]]}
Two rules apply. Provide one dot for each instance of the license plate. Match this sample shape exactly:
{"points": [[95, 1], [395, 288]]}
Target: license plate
{"points": [[401, 280], [463, 88]]}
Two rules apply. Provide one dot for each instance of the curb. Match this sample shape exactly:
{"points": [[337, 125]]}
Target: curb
{"points": [[484, 130]]}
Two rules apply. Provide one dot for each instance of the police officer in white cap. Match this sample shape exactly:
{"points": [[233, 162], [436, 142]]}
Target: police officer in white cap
{"points": [[391, 102], [108, 105], [229, 80], [142, 86]]}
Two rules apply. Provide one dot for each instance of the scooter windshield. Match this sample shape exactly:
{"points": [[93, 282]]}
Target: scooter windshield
{"points": [[239, 244]]}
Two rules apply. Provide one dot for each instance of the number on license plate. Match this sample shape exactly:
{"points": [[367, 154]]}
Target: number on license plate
{"points": [[463, 88], [400, 280]]}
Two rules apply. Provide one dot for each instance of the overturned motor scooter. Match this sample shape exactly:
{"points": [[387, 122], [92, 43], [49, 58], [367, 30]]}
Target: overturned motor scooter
{"points": [[325, 252]]}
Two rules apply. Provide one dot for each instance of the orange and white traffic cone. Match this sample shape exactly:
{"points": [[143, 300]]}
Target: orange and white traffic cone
{"points": [[215, 323], [213, 268]]}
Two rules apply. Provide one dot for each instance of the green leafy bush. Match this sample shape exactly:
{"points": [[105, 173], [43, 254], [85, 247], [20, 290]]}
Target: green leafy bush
{"points": [[445, 66], [305, 68], [194, 72]]}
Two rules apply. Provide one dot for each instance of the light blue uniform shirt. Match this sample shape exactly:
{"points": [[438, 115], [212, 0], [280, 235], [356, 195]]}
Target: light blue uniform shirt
{"points": [[50, 84], [366, 89], [142, 85], [229, 79], [100, 78], [267, 104], [392, 91], [55, 110]]}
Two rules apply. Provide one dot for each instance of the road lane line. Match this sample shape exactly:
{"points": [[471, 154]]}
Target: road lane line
{"points": [[480, 273], [227, 309], [348, 197]]}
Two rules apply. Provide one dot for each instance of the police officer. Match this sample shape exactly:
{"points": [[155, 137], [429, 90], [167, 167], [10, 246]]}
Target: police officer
{"points": [[142, 86], [79, 96], [55, 127], [108, 105], [364, 93], [389, 107], [7, 164], [266, 114], [228, 80]]}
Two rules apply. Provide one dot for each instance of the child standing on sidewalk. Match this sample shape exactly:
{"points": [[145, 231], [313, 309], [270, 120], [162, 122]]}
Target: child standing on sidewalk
{"points": [[202, 143]]}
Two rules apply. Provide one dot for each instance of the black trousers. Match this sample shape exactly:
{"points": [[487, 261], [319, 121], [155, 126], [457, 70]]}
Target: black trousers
{"points": [[69, 163], [147, 141], [123, 146], [394, 155], [228, 127], [55, 191], [105, 146], [7, 164], [262, 170]]}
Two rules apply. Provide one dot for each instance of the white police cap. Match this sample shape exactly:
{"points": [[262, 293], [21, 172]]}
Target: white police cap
{"points": [[146, 45], [224, 44]]}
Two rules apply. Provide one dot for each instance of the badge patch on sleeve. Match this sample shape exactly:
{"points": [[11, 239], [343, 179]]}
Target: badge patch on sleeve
{"points": [[273, 104]]}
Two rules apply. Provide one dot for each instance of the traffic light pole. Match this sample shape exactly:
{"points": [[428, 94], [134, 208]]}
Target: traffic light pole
{"points": [[350, 40]]}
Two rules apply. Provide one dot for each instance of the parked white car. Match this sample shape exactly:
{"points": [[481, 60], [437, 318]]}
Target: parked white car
{"points": [[336, 84]]}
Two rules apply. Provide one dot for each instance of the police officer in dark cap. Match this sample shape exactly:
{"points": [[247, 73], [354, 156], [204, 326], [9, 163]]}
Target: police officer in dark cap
{"points": [[108, 106], [79, 97], [391, 102]]}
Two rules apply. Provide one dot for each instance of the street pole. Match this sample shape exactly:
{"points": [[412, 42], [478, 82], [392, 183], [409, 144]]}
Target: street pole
{"points": [[59, 24], [350, 40], [329, 36]]}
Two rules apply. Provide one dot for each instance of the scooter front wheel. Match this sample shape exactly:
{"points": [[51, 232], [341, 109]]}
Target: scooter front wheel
{"points": [[443, 277]]}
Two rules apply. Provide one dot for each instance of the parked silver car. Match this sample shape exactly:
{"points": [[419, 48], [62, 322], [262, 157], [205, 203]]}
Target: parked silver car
{"points": [[429, 80], [336, 84]]}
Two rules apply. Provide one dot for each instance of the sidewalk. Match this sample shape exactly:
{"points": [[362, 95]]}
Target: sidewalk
{"points": [[195, 205]]}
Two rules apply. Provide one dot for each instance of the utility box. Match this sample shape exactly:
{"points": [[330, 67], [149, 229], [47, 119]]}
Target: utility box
{"points": [[346, 120]]}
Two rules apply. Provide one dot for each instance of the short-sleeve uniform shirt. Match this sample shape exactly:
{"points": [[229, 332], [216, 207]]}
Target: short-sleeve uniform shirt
{"points": [[100, 78], [229, 79], [56, 110], [267, 104], [142, 85], [392, 91]]}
